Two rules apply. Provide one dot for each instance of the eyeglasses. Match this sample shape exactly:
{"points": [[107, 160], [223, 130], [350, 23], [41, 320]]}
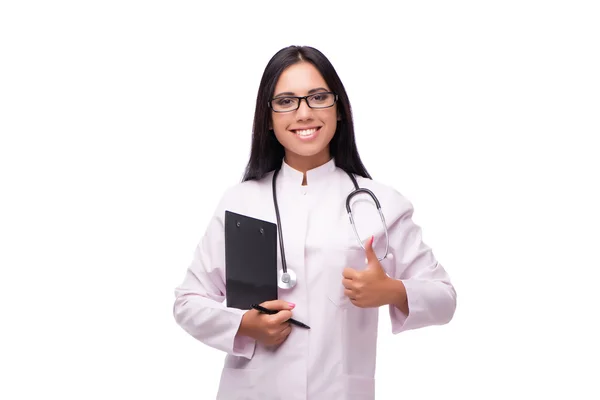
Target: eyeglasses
{"points": [[292, 103]]}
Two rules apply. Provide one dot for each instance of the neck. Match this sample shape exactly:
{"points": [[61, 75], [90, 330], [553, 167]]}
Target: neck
{"points": [[303, 164]]}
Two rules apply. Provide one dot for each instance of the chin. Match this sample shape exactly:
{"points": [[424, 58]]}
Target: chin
{"points": [[308, 152]]}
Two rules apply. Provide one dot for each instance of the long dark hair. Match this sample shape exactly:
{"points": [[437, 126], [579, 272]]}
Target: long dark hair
{"points": [[267, 153]]}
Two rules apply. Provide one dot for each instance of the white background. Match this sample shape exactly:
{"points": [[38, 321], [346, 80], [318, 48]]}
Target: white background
{"points": [[484, 114]]}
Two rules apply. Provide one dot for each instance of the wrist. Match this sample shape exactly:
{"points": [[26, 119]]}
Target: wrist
{"points": [[397, 294], [245, 328]]}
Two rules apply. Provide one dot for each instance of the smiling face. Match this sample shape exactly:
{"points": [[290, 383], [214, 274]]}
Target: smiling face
{"points": [[306, 132]]}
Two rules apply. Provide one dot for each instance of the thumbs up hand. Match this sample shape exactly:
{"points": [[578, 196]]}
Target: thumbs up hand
{"points": [[371, 287]]}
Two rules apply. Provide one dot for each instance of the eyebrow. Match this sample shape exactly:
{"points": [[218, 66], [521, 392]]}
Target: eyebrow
{"points": [[311, 91]]}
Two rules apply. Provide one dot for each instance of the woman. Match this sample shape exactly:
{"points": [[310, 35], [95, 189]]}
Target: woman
{"points": [[303, 134]]}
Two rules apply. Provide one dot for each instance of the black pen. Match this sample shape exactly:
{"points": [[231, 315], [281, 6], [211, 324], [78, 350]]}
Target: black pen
{"points": [[271, 312]]}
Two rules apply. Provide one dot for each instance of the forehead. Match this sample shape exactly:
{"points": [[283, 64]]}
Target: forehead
{"points": [[299, 79]]}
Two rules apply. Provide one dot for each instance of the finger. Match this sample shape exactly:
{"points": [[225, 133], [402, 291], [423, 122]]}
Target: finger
{"points": [[277, 305], [278, 330], [347, 283], [284, 334], [350, 294], [286, 330], [349, 273], [281, 317], [273, 330], [369, 252]]}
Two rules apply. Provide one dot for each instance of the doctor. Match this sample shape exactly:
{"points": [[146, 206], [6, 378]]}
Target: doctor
{"points": [[340, 285]]}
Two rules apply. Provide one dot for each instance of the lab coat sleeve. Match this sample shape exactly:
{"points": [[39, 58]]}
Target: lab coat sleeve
{"points": [[199, 307], [430, 294]]}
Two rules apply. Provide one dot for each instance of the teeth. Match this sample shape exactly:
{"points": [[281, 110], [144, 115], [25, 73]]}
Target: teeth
{"points": [[306, 132]]}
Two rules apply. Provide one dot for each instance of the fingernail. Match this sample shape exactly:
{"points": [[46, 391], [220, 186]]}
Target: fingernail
{"points": [[372, 238], [292, 305]]}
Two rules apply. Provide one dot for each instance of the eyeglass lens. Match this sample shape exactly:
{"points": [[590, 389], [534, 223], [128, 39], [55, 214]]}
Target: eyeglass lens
{"points": [[317, 100]]}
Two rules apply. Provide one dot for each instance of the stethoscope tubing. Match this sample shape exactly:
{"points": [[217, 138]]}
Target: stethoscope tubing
{"points": [[349, 210]]}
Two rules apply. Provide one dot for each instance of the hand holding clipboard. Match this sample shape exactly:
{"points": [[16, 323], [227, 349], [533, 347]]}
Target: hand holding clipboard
{"points": [[251, 278]]}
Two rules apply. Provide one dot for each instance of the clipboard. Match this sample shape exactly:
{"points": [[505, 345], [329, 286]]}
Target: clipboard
{"points": [[250, 260]]}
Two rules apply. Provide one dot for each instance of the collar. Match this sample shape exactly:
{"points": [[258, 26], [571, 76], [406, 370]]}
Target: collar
{"points": [[313, 176]]}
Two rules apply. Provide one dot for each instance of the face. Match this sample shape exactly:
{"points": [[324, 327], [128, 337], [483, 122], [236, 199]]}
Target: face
{"points": [[306, 132]]}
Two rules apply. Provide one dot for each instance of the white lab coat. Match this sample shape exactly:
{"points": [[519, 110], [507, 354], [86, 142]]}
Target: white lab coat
{"points": [[335, 359]]}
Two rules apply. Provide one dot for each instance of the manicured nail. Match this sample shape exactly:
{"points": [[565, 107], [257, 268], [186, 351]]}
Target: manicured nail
{"points": [[292, 305], [372, 238]]}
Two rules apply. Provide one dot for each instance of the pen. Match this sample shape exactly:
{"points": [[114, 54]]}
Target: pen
{"points": [[291, 320]]}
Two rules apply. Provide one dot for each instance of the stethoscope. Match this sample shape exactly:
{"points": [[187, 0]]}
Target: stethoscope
{"points": [[286, 278]]}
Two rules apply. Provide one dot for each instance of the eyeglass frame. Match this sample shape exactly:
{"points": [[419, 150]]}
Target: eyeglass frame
{"points": [[305, 98]]}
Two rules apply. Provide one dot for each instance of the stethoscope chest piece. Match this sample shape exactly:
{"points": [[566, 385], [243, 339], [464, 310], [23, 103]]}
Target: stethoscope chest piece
{"points": [[286, 280]]}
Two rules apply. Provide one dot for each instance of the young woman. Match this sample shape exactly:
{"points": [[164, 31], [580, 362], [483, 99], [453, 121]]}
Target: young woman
{"points": [[304, 139]]}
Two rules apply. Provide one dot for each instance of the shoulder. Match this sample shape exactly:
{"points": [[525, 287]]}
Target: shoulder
{"points": [[393, 203], [242, 195]]}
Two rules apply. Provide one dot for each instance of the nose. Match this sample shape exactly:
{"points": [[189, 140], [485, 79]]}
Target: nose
{"points": [[304, 111]]}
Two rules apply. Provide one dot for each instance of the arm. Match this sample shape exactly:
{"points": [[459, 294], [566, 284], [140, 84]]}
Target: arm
{"points": [[199, 307], [421, 293]]}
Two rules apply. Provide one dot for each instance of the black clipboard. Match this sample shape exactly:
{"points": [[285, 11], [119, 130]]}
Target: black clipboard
{"points": [[250, 260]]}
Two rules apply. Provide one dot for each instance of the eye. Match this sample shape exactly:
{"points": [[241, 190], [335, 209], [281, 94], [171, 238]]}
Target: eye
{"points": [[320, 97], [284, 101]]}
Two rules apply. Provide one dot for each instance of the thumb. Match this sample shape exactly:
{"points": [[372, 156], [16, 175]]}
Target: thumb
{"points": [[277, 305], [369, 252]]}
